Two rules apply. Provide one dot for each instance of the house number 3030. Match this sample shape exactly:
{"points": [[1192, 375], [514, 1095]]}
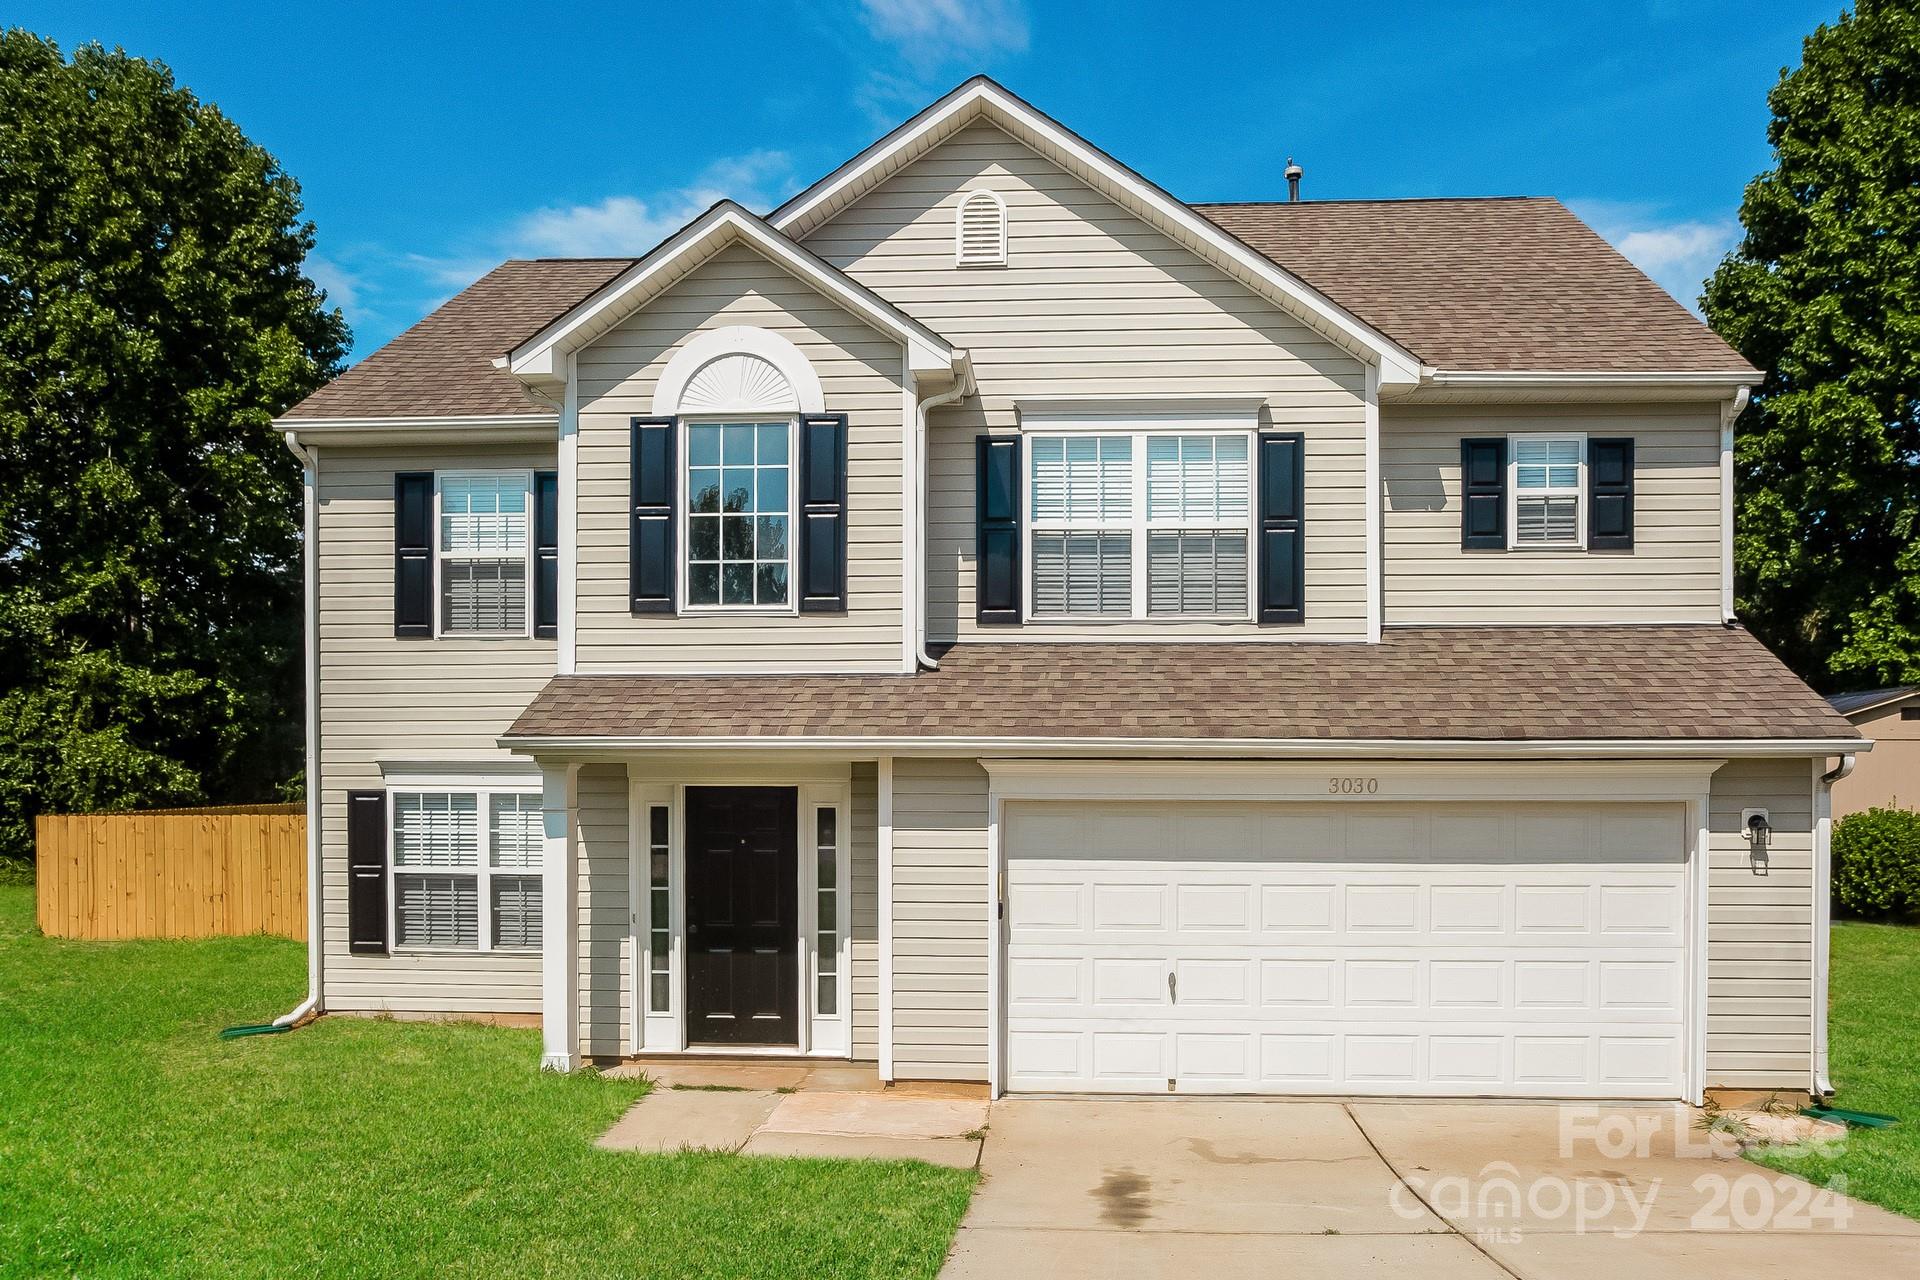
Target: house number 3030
{"points": [[1353, 786]]}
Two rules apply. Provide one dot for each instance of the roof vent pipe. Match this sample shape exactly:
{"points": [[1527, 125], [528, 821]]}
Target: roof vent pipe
{"points": [[1294, 173]]}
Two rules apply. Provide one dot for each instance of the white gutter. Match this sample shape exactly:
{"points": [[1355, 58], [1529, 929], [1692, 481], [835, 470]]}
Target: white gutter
{"points": [[1251, 748], [1823, 913], [1728, 412], [310, 564], [915, 600]]}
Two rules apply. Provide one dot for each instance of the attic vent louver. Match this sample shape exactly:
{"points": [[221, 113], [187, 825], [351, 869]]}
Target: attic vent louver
{"points": [[980, 231]]}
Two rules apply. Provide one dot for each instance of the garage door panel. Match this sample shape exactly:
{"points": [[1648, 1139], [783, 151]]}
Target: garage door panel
{"points": [[1455, 949]]}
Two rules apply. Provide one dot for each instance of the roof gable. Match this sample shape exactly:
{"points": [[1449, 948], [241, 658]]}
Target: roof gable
{"points": [[981, 99], [541, 357]]}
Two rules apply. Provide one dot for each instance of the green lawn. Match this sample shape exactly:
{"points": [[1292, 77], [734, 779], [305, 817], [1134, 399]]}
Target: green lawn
{"points": [[133, 1142], [1874, 1030]]}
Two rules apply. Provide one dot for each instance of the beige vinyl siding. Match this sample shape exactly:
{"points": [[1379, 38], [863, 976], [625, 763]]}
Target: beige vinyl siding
{"points": [[1889, 775], [1672, 574], [1096, 304], [440, 702], [605, 983], [860, 375], [863, 979], [939, 920], [1760, 929]]}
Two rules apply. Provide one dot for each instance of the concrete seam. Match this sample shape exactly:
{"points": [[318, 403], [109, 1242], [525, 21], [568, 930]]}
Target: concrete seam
{"points": [[1394, 1170]]}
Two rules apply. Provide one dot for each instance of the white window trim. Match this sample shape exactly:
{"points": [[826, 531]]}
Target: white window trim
{"points": [[683, 551], [998, 257], [440, 554], [483, 791], [1137, 526], [1578, 492]]}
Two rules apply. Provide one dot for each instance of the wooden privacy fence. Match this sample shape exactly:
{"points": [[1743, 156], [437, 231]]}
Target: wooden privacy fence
{"points": [[173, 873]]}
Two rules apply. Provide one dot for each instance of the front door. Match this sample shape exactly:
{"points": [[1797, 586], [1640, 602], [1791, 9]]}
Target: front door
{"points": [[743, 915]]}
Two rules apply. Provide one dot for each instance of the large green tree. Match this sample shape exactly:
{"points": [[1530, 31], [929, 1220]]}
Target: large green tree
{"points": [[153, 320], [1824, 294]]}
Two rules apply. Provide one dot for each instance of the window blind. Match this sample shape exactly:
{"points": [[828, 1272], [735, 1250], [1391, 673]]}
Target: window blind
{"points": [[516, 911], [483, 595], [437, 910], [516, 831], [1082, 573], [435, 829], [1197, 573]]}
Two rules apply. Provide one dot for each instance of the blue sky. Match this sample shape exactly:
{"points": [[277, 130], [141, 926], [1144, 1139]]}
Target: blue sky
{"points": [[432, 141]]}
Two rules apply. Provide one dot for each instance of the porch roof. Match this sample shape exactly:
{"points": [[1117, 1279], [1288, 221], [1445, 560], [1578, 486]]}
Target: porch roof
{"points": [[1469, 684]]}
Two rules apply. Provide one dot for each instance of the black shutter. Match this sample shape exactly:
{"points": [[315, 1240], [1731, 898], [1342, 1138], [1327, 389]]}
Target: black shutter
{"points": [[546, 554], [1610, 495], [650, 568], [1483, 494], [366, 872], [1282, 551], [823, 513], [996, 521], [413, 553]]}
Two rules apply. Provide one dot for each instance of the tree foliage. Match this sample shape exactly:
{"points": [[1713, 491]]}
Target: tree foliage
{"points": [[153, 320], [1824, 294]]}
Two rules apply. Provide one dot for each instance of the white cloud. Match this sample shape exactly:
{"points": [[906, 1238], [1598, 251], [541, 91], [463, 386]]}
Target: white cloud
{"points": [[626, 225], [1678, 254], [931, 33], [342, 286]]}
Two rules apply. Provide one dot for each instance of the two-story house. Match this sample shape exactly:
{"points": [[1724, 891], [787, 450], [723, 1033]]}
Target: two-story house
{"points": [[992, 619]]}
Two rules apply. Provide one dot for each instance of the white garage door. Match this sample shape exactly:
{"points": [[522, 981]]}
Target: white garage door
{"points": [[1443, 949]]}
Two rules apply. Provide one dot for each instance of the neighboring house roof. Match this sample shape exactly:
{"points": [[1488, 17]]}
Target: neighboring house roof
{"points": [[1851, 704], [443, 366], [1505, 284], [1441, 683]]}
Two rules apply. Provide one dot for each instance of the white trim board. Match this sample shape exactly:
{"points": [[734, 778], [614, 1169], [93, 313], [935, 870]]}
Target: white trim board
{"points": [[622, 748]]}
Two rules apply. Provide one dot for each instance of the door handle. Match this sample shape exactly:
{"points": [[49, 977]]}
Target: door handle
{"points": [[1173, 987]]}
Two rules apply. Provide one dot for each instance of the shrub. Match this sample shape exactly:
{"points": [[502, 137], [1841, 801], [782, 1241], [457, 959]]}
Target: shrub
{"points": [[1876, 862]]}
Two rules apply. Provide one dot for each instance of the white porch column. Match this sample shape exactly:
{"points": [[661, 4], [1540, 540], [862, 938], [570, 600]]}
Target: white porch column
{"points": [[885, 779], [559, 924]]}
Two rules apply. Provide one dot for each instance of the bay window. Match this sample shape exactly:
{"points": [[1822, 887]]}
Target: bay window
{"points": [[1140, 524]]}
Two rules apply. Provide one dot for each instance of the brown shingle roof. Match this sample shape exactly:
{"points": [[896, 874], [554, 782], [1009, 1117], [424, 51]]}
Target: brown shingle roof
{"points": [[1589, 683], [1493, 284], [444, 364]]}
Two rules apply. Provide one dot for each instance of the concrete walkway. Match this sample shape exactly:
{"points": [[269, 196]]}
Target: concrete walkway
{"points": [[1477, 1191], [797, 1109]]}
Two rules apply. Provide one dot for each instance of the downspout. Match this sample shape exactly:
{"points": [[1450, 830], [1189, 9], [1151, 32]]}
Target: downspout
{"points": [[963, 387], [1729, 412], [310, 560], [1823, 915]]}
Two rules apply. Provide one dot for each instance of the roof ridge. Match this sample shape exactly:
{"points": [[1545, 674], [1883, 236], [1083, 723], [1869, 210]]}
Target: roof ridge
{"points": [[1268, 204]]}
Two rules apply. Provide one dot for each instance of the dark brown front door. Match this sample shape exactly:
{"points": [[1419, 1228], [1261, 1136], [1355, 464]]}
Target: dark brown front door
{"points": [[743, 915]]}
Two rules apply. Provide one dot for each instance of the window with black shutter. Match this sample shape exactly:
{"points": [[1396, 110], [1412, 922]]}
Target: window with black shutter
{"points": [[650, 546], [1282, 507], [1483, 494], [546, 554], [1610, 495], [823, 513], [996, 560], [413, 554]]}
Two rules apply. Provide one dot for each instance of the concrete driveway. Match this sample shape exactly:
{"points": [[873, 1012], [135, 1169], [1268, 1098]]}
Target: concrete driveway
{"points": [[1488, 1191]]}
